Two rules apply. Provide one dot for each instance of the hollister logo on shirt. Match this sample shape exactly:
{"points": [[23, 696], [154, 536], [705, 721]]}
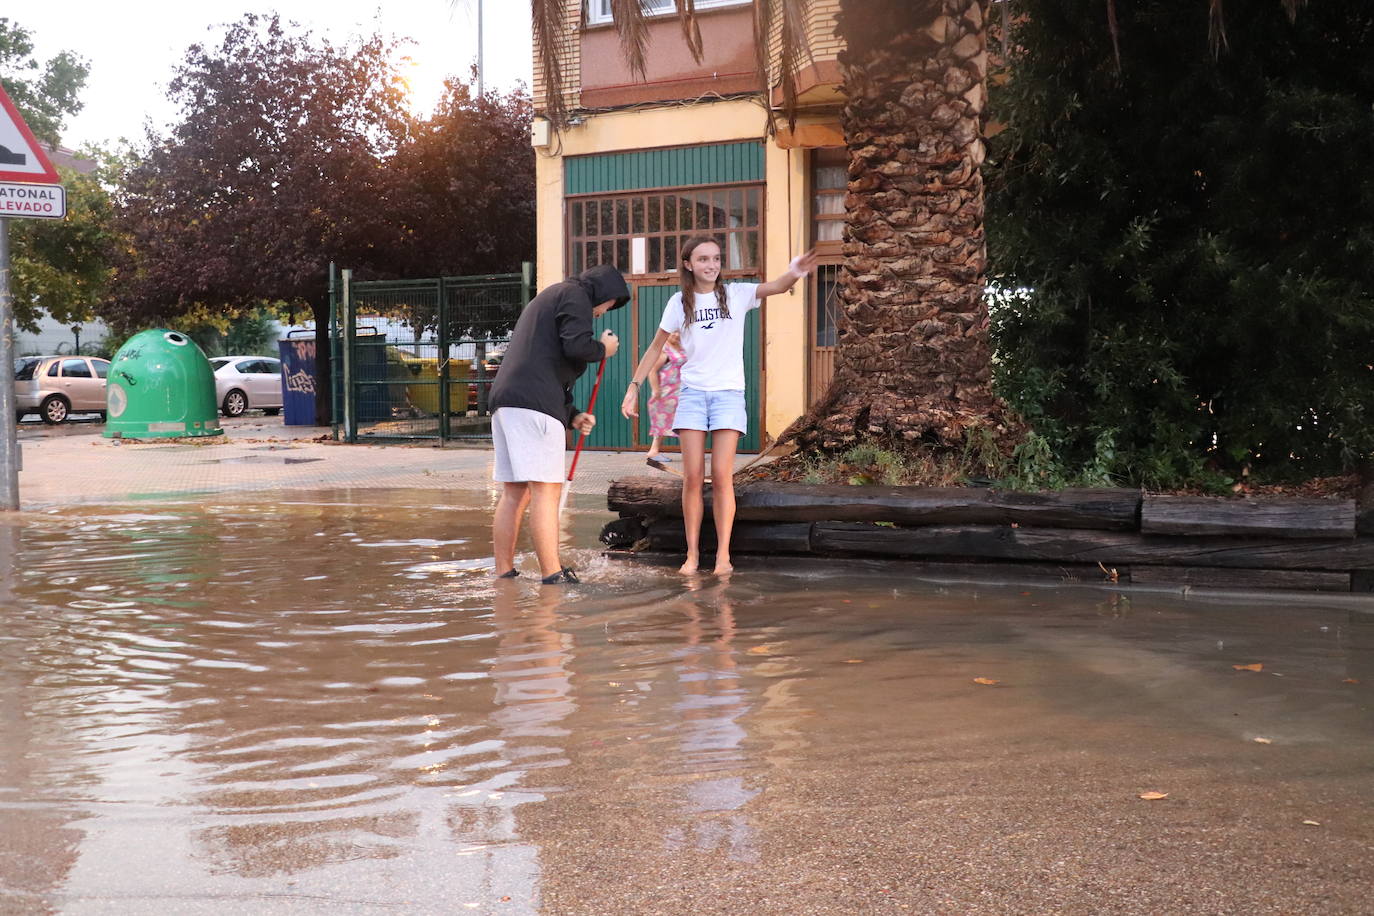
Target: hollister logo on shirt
{"points": [[710, 315]]}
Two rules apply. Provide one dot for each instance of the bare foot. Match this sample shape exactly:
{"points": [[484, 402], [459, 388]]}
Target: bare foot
{"points": [[723, 568], [689, 567]]}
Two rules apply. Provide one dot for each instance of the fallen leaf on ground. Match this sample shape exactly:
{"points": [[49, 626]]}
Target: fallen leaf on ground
{"points": [[853, 661], [1351, 680], [1153, 796], [1263, 741], [985, 681], [1257, 666], [760, 650], [1312, 823]]}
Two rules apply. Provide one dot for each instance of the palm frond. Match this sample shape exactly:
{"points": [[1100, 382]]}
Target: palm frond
{"points": [[631, 23], [1006, 30], [1216, 28], [691, 31], [546, 19], [793, 48], [1115, 30]]}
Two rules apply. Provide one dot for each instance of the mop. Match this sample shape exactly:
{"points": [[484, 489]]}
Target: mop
{"points": [[581, 438]]}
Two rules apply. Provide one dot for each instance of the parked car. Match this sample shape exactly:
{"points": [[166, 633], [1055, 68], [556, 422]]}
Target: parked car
{"points": [[243, 382], [55, 387]]}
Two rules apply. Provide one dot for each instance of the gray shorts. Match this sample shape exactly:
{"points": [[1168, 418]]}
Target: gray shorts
{"points": [[530, 446]]}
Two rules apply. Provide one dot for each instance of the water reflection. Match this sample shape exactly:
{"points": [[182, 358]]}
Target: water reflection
{"points": [[713, 700], [37, 845]]}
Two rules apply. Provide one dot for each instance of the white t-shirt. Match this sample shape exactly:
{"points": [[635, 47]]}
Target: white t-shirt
{"points": [[714, 344]]}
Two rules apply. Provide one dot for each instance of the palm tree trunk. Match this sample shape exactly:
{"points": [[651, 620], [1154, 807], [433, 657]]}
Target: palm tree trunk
{"points": [[913, 359]]}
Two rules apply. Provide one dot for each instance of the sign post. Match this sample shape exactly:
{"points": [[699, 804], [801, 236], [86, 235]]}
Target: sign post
{"points": [[28, 188]]}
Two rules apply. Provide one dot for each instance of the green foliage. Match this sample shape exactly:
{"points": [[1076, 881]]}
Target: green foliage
{"points": [[45, 93], [62, 267], [1189, 241], [246, 332], [58, 266]]}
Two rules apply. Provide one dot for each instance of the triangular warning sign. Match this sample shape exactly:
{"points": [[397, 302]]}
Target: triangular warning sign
{"points": [[21, 158]]}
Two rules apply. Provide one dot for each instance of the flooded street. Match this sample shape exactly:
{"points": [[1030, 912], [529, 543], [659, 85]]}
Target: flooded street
{"points": [[323, 703]]}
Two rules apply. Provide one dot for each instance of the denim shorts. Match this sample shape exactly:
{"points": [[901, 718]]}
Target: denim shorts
{"points": [[708, 410]]}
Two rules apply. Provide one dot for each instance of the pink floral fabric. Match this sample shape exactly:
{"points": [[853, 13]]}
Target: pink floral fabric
{"points": [[663, 406]]}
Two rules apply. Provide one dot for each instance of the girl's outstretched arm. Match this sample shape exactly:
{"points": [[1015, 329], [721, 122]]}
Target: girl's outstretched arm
{"points": [[653, 373], [800, 267], [629, 407]]}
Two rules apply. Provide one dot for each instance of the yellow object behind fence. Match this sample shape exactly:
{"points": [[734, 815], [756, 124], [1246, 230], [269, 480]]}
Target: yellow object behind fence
{"points": [[426, 397]]}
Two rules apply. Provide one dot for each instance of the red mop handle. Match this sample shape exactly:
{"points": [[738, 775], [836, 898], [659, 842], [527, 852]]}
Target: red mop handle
{"points": [[582, 437]]}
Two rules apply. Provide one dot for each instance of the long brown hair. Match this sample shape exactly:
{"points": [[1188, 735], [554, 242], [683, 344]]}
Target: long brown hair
{"points": [[689, 283]]}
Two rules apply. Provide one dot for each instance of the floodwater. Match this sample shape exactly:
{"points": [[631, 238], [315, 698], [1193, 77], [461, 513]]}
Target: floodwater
{"points": [[322, 703]]}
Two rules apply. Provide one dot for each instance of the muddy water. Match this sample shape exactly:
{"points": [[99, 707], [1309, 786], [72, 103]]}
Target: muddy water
{"points": [[324, 705]]}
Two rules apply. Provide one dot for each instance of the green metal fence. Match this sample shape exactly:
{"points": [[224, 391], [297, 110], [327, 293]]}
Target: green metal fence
{"points": [[419, 356]]}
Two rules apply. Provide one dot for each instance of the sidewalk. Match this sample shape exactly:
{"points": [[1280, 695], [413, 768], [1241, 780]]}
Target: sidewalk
{"points": [[73, 465]]}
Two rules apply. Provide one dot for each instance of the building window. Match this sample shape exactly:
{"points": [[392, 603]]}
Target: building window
{"points": [[825, 330], [599, 11], [829, 184], [642, 233]]}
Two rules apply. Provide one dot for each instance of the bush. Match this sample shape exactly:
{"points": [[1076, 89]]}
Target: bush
{"points": [[1189, 241]]}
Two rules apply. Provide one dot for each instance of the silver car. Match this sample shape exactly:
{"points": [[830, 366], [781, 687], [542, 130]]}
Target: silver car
{"points": [[55, 387], [243, 382]]}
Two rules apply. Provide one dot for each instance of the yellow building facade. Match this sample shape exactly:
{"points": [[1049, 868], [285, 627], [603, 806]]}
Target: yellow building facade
{"points": [[685, 148]]}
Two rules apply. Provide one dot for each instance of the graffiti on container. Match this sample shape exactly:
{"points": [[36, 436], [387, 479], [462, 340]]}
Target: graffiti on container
{"points": [[305, 349], [300, 382]]}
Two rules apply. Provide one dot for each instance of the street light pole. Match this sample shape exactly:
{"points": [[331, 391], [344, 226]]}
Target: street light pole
{"points": [[9, 419], [481, 77]]}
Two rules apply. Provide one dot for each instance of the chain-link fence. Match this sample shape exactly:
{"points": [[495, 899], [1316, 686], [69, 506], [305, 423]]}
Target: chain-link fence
{"points": [[419, 356]]}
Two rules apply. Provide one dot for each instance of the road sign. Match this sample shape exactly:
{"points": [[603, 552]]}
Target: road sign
{"points": [[21, 158], [28, 188], [37, 201]]}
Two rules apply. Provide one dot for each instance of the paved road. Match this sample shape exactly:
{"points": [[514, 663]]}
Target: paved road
{"points": [[73, 464]]}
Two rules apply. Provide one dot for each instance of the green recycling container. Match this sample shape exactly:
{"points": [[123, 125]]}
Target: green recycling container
{"points": [[161, 386]]}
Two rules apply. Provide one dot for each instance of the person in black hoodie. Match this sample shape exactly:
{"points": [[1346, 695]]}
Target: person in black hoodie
{"points": [[532, 409]]}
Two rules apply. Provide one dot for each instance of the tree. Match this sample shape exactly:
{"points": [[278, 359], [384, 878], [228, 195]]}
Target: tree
{"points": [[57, 266], [913, 363], [462, 187], [62, 267], [277, 167], [45, 93], [1192, 238], [292, 153]]}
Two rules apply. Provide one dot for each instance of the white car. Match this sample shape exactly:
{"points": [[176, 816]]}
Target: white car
{"points": [[244, 382]]}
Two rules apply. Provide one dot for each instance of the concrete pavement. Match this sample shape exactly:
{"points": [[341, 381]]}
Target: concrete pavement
{"points": [[73, 464]]}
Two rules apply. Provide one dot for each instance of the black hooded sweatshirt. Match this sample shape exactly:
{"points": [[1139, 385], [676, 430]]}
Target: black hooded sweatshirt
{"points": [[553, 343]]}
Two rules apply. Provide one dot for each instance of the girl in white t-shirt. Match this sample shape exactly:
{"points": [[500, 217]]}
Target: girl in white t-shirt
{"points": [[708, 314]]}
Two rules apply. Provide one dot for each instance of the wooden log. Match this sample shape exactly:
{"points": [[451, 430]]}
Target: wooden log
{"points": [[1364, 520], [972, 570], [1108, 547], [774, 501], [1259, 516], [747, 537], [1214, 577]]}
